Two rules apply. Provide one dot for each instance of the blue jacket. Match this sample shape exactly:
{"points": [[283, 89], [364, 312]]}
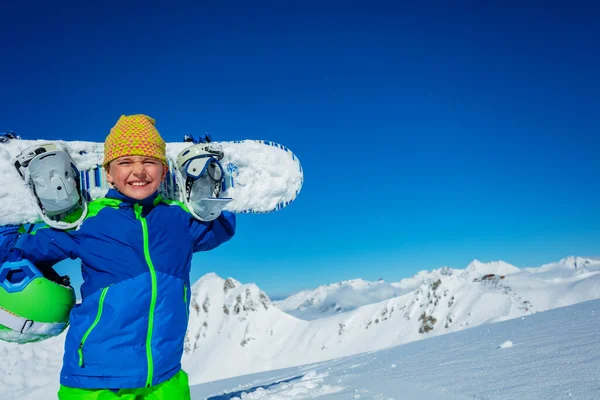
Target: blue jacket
{"points": [[129, 329]]}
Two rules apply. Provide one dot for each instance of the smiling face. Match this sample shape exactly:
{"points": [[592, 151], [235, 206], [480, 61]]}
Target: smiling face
{"points": [[137, 177]]}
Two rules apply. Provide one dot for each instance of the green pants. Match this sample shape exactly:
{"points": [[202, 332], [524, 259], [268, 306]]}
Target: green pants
{"points": [[176, 388]]}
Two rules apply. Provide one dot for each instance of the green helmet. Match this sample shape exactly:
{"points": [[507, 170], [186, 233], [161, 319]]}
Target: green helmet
{"points": [[32, 307]]}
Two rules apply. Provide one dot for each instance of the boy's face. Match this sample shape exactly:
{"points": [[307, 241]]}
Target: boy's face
{"points": [[137, 177]]}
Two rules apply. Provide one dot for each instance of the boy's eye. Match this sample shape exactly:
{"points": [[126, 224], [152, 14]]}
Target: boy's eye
{"points": [[129, 163]]}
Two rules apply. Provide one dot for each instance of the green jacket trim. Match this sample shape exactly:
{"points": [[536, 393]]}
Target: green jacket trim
{"points": [[91, 328], [138, 213]]}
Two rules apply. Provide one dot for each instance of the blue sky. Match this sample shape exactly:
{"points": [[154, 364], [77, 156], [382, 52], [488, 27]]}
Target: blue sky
{"points": [[430, 135]]}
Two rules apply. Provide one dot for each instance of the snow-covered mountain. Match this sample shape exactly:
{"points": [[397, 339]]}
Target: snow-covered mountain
{"points": [[348, 295], [234, 321], [570, 263], [339, 297], [235, 329]]}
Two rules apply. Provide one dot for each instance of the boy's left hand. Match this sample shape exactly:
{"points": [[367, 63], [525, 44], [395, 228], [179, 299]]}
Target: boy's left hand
{"points": [[8, 237]]}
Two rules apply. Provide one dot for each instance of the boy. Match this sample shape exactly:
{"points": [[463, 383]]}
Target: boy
{"points": [[125, 339]]}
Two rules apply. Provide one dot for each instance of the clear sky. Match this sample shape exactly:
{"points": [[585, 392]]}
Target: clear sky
{"points": [[429, 134]]}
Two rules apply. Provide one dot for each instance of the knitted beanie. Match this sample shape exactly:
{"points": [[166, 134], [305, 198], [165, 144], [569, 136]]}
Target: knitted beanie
{"points": [[134, 135]]}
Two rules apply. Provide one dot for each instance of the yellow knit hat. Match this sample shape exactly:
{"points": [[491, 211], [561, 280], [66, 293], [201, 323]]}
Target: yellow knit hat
{"points": [[134, 135]]}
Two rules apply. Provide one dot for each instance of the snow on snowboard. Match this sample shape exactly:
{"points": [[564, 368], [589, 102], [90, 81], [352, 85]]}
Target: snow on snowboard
{"points": [[258, 176]]}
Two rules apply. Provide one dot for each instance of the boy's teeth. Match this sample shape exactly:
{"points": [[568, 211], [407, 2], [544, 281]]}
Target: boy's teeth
{"points": [[138, 183]]}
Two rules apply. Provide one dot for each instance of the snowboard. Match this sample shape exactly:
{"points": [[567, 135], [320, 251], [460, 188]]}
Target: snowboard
{"points": [[260, 176]]}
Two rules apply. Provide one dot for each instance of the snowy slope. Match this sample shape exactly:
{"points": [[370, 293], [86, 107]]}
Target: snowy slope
{"points": [[551, 355]]}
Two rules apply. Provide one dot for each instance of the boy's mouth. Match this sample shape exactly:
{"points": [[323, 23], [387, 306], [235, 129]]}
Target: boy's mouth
{"points": [[138, 184]]}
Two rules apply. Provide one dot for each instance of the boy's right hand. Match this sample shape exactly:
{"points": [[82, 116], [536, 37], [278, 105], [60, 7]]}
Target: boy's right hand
{"points": [[8, 237]]}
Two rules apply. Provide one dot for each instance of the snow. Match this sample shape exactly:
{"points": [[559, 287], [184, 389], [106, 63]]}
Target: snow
{"points": [[339, 297], [440, 302], [509, 290], [555, 357], [571, 262], [501, 268]]}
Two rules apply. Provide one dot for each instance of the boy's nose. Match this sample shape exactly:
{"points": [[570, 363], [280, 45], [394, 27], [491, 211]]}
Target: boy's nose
{"points": [[138, 168]]}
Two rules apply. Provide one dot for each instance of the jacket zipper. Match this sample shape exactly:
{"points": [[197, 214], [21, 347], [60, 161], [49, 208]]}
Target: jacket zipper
{"points": [[185, 302], [93, 326], [138, 215]]}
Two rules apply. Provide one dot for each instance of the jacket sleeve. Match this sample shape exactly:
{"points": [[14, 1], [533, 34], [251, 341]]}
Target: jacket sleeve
{"points": [[46, 246], [208, 235]]}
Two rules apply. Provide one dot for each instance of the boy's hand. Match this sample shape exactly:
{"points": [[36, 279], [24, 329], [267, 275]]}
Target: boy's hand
{"points": [[8, 237]]}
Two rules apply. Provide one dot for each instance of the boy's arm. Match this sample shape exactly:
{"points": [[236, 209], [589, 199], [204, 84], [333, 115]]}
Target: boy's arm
{"points": [[8, 236], [46, 246], [208, 235]]}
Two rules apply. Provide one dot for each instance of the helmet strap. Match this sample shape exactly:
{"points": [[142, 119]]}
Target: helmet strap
{"points": [[26, 326]]}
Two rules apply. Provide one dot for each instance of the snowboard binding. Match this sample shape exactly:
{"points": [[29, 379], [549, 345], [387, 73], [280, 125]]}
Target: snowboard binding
{"points": [[54, 181], [200, 175], [204, 138], [8, 136]]}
